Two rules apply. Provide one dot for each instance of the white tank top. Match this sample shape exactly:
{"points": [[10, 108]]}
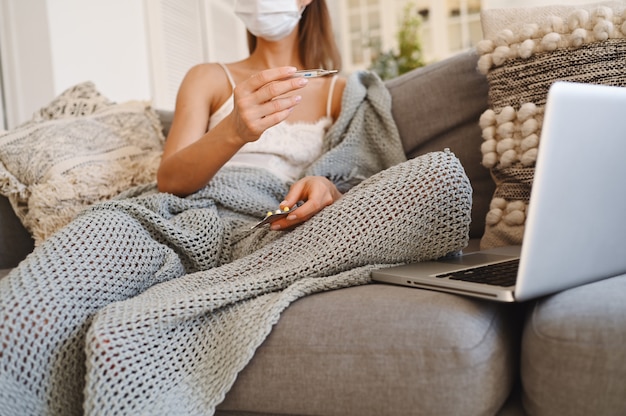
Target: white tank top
{"points": [[285, 149]]}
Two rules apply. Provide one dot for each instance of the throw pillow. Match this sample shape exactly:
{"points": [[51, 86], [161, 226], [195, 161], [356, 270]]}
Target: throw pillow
{"points": [[524, 51], [78, 150]]}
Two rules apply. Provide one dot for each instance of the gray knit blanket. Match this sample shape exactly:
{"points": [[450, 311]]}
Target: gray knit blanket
{"points": [[152, 304]]}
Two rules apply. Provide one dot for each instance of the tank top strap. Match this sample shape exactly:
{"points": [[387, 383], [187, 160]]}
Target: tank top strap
{"points": [[228, 75], [331, 90]]}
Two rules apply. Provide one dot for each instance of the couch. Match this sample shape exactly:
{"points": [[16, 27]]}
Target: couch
{"points": [[386, 350]]}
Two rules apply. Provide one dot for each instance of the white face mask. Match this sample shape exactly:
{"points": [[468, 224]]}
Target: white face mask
{"points": [[269, 19]]}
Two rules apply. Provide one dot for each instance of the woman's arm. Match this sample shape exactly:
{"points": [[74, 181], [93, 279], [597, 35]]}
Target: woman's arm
{"points": [[192, 156]]}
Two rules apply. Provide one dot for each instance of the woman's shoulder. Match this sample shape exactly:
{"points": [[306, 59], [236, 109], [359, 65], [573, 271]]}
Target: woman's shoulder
{"points": [[205, 69], [206, 82]]}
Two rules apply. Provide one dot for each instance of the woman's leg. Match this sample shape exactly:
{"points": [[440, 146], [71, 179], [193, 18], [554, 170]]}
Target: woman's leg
{"points": [[415, 211], [190, 336], [47, 303]]}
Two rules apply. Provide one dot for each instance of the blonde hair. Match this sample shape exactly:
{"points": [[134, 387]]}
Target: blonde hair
{"points": [[316, 41]]}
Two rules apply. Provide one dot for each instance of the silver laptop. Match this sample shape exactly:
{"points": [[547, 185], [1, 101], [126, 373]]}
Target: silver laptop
{"points": [[575, 230]]}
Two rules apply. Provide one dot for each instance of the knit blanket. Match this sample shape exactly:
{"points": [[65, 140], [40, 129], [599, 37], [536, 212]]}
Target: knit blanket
{"points": [[152, 304]]}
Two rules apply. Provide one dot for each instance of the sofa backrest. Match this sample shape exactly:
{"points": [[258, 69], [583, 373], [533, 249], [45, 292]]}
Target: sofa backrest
{"points": [[438, 106]]}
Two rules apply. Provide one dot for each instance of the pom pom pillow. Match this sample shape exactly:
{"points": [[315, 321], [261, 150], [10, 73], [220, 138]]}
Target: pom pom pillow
{"points": [[524, 51], [78, 150]]}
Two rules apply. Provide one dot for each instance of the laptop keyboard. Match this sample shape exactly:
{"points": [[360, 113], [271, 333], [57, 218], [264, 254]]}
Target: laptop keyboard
{"points": [[498, 274]]}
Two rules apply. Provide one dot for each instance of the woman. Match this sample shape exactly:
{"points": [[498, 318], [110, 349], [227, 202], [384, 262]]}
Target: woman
{"points": [[152, 304], [264, 94]]}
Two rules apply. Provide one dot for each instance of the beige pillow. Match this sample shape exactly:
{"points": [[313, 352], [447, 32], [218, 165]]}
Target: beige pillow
{"points": [[523, 53], [78, 150]]}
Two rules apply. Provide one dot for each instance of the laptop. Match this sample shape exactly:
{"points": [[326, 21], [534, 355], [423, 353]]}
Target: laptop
{"points": [[575, 230]]}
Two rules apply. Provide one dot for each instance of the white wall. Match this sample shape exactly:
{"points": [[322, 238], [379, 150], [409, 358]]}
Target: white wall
{"points": [[103, 41], [50, 45], [26, 60], [225, 32]]}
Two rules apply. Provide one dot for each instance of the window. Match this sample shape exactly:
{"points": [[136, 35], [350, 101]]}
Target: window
{"points": [[464, 29], [363, 29], [367, 26]]}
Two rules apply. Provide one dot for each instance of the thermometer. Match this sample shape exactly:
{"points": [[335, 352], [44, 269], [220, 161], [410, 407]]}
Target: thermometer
{"points": [[314, 73]]}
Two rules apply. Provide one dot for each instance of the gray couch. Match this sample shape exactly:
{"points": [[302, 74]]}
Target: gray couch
{"points": [[386, 350]]}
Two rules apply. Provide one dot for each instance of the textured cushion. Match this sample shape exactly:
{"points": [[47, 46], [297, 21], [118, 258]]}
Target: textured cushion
{"points": [[78, 150], [574, 352], [438, 106], [382, 350], [524, 52]]}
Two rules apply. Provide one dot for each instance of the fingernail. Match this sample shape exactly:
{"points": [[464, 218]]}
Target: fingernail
{"points": [[302, 81], [274, 227], [291, 217], [297, 98], [291, 70]]}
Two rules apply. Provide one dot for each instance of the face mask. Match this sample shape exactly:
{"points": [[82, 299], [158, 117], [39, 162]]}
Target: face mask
{"points": [[269, 19]]}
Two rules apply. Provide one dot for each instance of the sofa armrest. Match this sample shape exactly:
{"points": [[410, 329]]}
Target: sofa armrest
{"points": [[438, 106], [15, 241]]}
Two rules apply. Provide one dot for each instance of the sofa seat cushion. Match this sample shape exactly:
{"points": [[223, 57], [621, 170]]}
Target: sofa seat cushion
{"points": [[574, 351], [381, 349]]}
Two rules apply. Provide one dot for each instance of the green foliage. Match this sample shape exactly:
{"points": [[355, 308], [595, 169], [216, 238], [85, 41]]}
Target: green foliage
{"points": [[409, 54]]}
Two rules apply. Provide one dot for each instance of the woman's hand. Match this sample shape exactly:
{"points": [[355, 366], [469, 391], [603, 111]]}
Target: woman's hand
{"points": [[260, 101], [192, 156], [317, 192]]}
